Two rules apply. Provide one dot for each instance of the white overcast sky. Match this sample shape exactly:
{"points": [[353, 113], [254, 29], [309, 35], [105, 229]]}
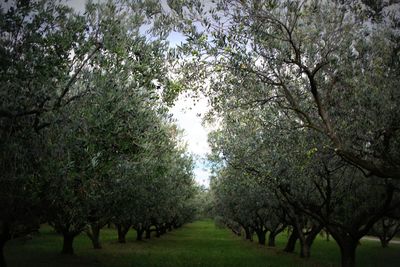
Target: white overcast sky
{"points": [[195, 134], [187, 118]]}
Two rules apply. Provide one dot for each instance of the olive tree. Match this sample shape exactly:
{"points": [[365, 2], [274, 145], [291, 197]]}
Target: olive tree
{"points": [[44, 48], [385, 229], [316, 187], [326, 62]]}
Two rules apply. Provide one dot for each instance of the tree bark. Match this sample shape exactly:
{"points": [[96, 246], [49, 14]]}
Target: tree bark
{"points": [[348, 245], [348, 253], [306, 240], [271, 239], [248, 233], [163, 229], [94, 235], [291, 244], [384, 242], [261, 236], [158, 231], [327, 236], [273, 233], [169, 227], [2, 258], [67, 243], [139, 234], [122, 231], [148, 233], [5, 236], [305, 250], [311, 237]]}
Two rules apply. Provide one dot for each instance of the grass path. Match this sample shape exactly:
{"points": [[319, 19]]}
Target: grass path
{"points": [[196, 244]]}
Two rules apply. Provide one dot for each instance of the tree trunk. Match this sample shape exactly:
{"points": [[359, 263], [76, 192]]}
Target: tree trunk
{"points": [[348, 253], [309, 241], [148, 233], [248, 234], [306, 240], [158, 231], [384, 241], [122, 231], [235, 230], [271, 239], [2, 258], [261, 237], [273, 233], [347, 245], [67, 243], [291, 244], [327, 235], [139, 234], [94, 235], [304, 250], [169, 227], [5, 236], [305, 246]]}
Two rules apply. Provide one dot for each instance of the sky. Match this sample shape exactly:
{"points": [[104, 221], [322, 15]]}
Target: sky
{"points": [[186, 114], [188, 117]]}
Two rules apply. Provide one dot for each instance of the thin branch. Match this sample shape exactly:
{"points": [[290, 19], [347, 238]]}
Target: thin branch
{"points": [[73, 78]]}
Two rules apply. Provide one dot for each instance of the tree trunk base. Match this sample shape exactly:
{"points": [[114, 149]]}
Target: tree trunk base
{"points": [[67, 248], [2, 258], [271, 240], [291, 244], [94, 235], [261, 237], [122, 231], [139, 234]]}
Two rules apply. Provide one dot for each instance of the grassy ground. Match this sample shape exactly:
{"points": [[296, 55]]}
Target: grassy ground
{"points": [[196, 244]]}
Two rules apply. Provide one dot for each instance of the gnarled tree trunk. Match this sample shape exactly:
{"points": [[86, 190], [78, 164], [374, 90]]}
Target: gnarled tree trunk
{"points": [[348, 253], [94, 234], [347, 245], [261, 236], [291, 244], [306, 240], [158, 231], [139, 233], [273, 233], [148, 233], [384, 241], [68, 243], [122, 231], [248, 233], [271, 239]]}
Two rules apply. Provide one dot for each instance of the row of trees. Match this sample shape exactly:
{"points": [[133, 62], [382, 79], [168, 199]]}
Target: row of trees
{"points": [[306, 97], [86, 139], [268, 182]]}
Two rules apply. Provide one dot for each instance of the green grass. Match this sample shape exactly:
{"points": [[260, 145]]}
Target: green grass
{"points": [[196, 244]]}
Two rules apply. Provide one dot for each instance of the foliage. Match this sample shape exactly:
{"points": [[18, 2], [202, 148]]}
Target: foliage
{"points": [[86, 136], [326, 65]]}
